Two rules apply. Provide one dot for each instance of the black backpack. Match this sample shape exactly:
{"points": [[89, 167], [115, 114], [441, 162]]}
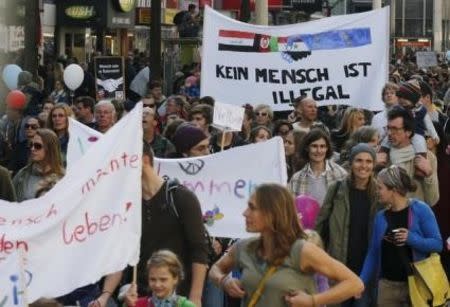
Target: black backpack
{"points": [[171, 186]]}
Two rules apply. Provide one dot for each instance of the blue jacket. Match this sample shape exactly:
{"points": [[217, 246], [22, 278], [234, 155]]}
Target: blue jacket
{"points": [[423, 237]]}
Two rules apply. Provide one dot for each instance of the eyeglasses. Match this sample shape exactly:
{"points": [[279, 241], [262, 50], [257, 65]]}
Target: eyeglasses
{"points": [[31, 126], [261, 114], [37, 146], [149, 105]]}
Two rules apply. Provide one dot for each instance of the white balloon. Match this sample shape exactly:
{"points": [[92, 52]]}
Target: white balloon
{"points": [[11, 75], [73, 76]]}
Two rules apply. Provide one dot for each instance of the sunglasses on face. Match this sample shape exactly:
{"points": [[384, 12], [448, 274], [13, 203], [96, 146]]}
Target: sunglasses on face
{"points": [[149, 105], [261, 114], [31, 126], [37, 146]]}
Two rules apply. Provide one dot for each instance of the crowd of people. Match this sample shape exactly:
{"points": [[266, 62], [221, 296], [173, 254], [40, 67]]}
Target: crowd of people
{"points": [[380, 180]]}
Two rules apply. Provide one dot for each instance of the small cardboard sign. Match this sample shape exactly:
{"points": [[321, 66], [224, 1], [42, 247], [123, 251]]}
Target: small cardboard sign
{"points": [[228, 117]]}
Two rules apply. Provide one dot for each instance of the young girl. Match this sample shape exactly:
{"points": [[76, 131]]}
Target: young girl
{"points": [[164, 273]]}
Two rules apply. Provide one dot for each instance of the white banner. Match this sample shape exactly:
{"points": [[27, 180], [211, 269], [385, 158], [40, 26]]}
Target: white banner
{"points": [[223, 181], [335, 60], [13, 280], [89, 224]]}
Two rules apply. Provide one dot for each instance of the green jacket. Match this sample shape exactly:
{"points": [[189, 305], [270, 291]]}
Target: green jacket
{"points": [[333, 222]]}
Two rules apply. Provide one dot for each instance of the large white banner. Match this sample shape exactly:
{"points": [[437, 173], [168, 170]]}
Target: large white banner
{"points": [[88, 225], [335, 60], [223, 181]]}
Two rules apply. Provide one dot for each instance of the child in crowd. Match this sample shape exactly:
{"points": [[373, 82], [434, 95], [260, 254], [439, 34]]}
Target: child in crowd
{"points": [[321, 281], [164, 273]]}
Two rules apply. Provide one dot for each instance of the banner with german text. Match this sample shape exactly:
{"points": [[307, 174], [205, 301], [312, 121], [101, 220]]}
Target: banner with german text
{"points": [[335, 60], [87, 226]]}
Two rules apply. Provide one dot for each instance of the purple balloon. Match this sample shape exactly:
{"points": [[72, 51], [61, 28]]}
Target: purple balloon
{"points": [[309, 209]]}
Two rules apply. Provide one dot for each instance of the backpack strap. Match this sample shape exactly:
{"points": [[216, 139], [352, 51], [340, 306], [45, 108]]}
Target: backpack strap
{"points": [[171, 186]]}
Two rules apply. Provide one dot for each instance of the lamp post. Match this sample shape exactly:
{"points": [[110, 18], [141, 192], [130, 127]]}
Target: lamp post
{"points": [[326, 9]]}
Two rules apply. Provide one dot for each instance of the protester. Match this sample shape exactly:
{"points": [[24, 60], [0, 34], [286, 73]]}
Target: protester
{"points": [[347, 214], [6, 187], [32, 91], [161, 146], [84, 111], [281, 128], [263, 115], [23, 148], [389, 97], [319, 172], [202, 116], [171, 219], [292, 142], [352, 120], [58, 121], [247, 123], [190, 141], [260, 134], [407, 231], [306, 113], [165, 272], [12, 129], [400, 131], [105, 115], [45, 162], [364, 134], [59, 94], [155, 92], [282, 250]]}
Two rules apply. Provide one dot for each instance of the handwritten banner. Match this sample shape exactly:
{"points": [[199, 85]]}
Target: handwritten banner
{"points": [[68, 234], [223, 181], [228, 117], [333, 60], [13, 279]]}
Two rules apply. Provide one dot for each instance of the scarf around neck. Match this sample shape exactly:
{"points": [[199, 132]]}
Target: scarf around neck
{"points": [[401, 155]]}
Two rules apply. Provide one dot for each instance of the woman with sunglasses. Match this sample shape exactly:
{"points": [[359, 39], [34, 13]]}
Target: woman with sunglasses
{"points": [[406, 231], [23, 148], [45, 164], [58, 121]]}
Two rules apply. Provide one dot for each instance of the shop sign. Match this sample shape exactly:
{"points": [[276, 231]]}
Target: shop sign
{"points": [[169, 14], [143, 16], [125, 5], [80, 11]]}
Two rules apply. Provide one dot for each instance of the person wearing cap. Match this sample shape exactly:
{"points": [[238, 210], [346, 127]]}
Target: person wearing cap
{"points": [[347, 214], [190, 141]]}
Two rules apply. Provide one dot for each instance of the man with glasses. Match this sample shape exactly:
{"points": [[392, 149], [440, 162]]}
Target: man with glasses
{"points": [[105, 115], [400, 130], [161, 146]]}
